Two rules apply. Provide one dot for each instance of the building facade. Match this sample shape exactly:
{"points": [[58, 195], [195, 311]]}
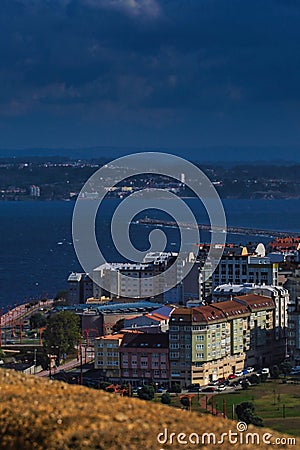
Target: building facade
{"points": [[144, 358], [209, 343], [239, 266]]}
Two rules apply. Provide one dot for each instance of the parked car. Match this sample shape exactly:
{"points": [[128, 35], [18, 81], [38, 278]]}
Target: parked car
{"points": [[210, 389], [232, 377], [245, 372], [221, 380], [250, 369], [194, 389], [222, 388], [214, 383], [295, 372], [265, 371], [239, 374]]}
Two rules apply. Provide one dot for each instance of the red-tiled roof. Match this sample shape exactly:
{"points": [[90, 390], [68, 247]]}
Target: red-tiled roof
{"points": [[257, 302]]}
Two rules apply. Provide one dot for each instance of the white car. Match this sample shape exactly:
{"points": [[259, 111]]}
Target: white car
{"points": [[250, 369], [239, 374], [265, 371], [222, 388]]}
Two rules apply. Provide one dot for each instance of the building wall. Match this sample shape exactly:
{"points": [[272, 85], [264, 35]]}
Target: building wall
{"points": [[141, 365], [107, 357]]}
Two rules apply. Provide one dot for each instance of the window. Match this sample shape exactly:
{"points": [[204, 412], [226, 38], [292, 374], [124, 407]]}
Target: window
{"points": [[199, 347]]}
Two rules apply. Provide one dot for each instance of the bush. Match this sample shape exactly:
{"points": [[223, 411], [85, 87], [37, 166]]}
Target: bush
{"points": [[166, 399], [246, 413], [185, 402], [254, 379], [146, 393], [176, 389]]}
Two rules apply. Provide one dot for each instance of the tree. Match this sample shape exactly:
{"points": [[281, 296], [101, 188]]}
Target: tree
{"points": [[166, 399], [275, 372], [176, 389], [286, 368], [245, 385], [37, 320], [246, 413], [62, 333], [146, 393], [118, 326]]}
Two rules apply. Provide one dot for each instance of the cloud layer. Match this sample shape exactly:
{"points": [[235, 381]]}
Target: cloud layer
{"points": [[194, 71]]}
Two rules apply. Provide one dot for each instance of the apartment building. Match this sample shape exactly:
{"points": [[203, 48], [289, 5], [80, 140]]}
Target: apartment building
{"points": [[279, 294], [142, 281], [262, 348], [80, 288], [107, 357], [240, 265], [211, 342], [144, 358]]}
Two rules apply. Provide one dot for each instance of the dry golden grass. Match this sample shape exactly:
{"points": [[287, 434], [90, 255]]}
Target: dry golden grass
{"points": [[40, 414]]}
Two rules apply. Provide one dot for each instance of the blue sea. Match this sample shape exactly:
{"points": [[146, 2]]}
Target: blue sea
{"points": [[37, 252]]}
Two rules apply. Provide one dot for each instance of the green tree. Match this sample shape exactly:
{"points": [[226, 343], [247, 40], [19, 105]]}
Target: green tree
{"points": [[245, 385], [166, 399], [37, 320], [146, 393], [246, 413], [62, 333]]}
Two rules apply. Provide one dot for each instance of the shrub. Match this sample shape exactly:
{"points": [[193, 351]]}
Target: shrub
{"points": [[146, 393], [246, 413], [166, 399]]}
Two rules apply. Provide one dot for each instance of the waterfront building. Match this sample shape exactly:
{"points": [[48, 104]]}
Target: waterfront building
{"points": [[34, 191], [141, 280], [241, 265], [80, 288]]}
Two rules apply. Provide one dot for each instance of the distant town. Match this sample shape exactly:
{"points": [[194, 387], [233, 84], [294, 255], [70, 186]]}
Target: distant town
{"points": [[58, 178]]}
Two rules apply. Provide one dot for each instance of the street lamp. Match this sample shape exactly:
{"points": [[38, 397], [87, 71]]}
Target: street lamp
{"points": [[35, 352]]}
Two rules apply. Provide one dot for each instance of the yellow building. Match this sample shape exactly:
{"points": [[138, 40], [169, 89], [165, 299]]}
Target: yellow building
{"points": [[107, 356]]}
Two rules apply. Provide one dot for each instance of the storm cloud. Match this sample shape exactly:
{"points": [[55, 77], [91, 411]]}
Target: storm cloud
{"points": [[157, 72]]}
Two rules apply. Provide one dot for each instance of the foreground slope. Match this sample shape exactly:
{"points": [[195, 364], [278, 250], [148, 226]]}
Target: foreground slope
{"points": [[41, 414]]}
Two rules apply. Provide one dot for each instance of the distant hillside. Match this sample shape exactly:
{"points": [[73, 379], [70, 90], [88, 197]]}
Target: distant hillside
{"points": [[39, 414]]}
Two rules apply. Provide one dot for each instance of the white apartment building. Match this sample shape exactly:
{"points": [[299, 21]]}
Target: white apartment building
{"points": [[141, 279], [238, 266]]}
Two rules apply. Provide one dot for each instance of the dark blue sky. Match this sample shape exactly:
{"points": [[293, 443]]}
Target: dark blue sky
{"points": [[182, 75]]}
